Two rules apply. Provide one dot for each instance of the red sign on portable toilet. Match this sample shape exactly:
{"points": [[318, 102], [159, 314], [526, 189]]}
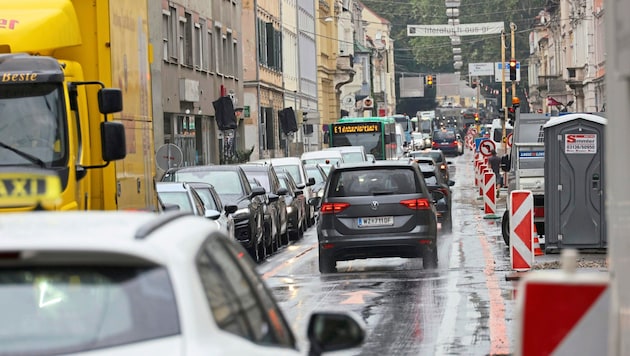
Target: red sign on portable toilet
{"points": [[561, 313], [521, 230]]}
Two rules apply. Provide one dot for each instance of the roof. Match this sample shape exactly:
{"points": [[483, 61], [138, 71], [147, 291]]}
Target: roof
{"points": [[321, 154], [557, 120], [150, 236], [378, 163]]}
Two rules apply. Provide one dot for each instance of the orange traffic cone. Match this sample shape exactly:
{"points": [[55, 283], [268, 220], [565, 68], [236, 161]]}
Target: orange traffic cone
{"points": [[537, 250]]}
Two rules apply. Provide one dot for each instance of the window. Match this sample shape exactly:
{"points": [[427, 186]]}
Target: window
{"points": [[212, 66], [238, 299], [217, 50], [236, 58], [203, 45], [165, 35], [172, 33], [197, 48], [180, 44], [225, 62], [83, 307], [269, 45], [188, 40], [269, 131]]}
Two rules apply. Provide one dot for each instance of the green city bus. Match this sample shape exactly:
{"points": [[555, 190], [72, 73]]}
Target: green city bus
{"points": [[376, 134]]}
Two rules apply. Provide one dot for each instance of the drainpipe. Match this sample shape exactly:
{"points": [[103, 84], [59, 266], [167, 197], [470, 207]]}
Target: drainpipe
{"points": [[260, 140]]}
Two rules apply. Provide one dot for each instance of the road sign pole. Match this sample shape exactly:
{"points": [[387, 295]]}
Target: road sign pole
{"points": [[505, 114], [513, 53]]}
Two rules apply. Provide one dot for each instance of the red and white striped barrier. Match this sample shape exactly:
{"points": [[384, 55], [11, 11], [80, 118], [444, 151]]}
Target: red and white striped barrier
{"points": [[562, 313], [482, 170], [489, 195], [521, 230]]}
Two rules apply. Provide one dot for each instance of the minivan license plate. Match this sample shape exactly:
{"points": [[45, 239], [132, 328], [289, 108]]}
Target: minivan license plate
{"points": [[376, 221]]}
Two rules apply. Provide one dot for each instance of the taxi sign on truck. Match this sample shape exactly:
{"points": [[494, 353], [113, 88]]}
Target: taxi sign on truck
{"points": [[29, 187]]}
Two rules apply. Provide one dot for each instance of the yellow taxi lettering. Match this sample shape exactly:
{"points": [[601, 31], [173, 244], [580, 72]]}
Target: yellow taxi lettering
{"points": [[19, 188], [3, 190]]}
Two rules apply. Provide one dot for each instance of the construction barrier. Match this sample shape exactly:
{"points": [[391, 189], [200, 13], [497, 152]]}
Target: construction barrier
{"points": [[562, 313], [521, 230], [489, 195]]}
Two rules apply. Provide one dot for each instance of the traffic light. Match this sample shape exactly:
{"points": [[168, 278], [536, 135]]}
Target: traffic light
{"points": [[513, 69], [429, 81]]}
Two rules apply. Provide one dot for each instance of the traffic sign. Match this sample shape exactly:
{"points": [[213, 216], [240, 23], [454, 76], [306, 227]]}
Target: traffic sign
{"points": [[521, 209], [509, 139], [486, 147], [498, 70]]}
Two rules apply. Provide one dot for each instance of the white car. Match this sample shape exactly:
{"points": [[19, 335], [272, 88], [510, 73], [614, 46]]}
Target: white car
{"points": [[140, 283]]}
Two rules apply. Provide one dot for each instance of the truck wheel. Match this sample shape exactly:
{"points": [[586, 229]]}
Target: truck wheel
{"points": [[505, 227]]}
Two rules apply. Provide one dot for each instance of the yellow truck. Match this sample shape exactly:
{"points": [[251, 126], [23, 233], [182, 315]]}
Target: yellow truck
{"points": [[66, 67]]}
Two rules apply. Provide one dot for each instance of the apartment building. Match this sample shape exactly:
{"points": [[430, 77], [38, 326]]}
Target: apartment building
{"points": [[567, 58], [197, 59]]}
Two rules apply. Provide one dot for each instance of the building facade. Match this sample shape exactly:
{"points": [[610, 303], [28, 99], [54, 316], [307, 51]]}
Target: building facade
{"points": [[567, 58], [197, 59]]}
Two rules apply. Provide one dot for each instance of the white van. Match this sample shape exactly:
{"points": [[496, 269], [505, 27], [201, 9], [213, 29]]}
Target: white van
{"points": [[496, 133]]}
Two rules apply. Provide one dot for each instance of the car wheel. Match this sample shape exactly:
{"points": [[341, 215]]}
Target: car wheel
{"points": [[430, 258], [505, 227], [254, 253], [327, 265], [448, 224]]}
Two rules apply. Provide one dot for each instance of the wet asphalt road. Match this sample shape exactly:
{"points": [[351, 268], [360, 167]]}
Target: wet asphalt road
{"points": [[464, 307]]}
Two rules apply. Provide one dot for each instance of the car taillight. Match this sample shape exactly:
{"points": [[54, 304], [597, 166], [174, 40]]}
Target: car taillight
{"points": [[333, 208], [539, 211], [434, 144], [454, 143], [417, 204]]}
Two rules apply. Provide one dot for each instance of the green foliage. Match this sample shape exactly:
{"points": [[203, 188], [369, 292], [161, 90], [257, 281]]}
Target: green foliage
{"points": [[434, 54]]}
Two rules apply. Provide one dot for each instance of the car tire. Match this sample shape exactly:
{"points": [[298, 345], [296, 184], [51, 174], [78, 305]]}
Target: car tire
{"points": [[262, 251], [448, 224], [327, 265], [430, 258], [505, 227], [254, 253]]}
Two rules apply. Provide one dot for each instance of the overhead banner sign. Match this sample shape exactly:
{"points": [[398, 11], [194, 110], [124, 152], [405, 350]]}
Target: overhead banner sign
{"points": [[472, 29], [481, 69], [411, 87]]}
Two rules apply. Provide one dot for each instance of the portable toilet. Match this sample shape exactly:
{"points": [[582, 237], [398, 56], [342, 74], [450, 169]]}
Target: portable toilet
{"points": [[574, 182]]}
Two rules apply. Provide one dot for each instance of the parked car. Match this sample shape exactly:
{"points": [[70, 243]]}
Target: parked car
{"points": [[435, 182], [445, 140], [373, 210], [140, 283], [439, 158], [212, 201], [295, 167], [351, 154], [275, 201], [231, 183], [296, 205], [316, 171], [180, 196]]}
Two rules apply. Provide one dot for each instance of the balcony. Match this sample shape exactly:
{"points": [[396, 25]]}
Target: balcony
{"points": [[575, 77]]}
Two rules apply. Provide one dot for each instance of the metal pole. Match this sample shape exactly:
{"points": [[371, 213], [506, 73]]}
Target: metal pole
{"points": [[513, 54], [503, 104], [617, 148]]}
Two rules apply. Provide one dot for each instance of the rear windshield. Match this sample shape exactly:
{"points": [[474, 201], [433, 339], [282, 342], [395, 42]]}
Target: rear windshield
{"points": [[443, 135], [59, 310], [374, 182]]}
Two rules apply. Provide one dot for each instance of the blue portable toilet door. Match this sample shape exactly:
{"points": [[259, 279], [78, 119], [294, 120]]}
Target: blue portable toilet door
{"points": [[581, 185]]}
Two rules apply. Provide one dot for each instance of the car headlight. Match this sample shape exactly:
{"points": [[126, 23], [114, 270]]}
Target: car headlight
{"points": [[289, 209], [320, 193]]}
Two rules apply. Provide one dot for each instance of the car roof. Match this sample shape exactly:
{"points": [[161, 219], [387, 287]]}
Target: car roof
{"points": [[280, 160], [146, 235], [171, 186], [321, 154], [256, 167], [206, 168], [378, 164]]}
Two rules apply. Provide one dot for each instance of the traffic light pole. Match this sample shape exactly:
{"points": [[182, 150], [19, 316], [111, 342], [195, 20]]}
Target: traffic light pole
{"points": [[503, 104], [513, 56]]}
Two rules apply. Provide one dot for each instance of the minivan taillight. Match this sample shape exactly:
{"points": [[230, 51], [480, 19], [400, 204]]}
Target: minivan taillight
{"points": [[417, 204], [333, 208]]}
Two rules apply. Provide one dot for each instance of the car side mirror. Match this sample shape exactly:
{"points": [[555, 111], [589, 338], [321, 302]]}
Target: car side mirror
{"points": [[230, 209], [298, 192], [170, 207], [314, 201], [283, 191], [311, 181], [256, 191], [273, 197], [328, 331], [437, 196], [451, 183], [212, 214]]}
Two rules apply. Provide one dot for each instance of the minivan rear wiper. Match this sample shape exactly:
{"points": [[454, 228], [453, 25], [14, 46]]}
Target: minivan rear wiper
{"points": [[23, 154]]}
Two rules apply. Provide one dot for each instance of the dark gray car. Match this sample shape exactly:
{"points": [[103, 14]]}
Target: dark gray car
{"points": [[372, 210]]}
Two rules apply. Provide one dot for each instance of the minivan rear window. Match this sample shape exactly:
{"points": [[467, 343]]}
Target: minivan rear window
{"points": [[381, 181]]}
